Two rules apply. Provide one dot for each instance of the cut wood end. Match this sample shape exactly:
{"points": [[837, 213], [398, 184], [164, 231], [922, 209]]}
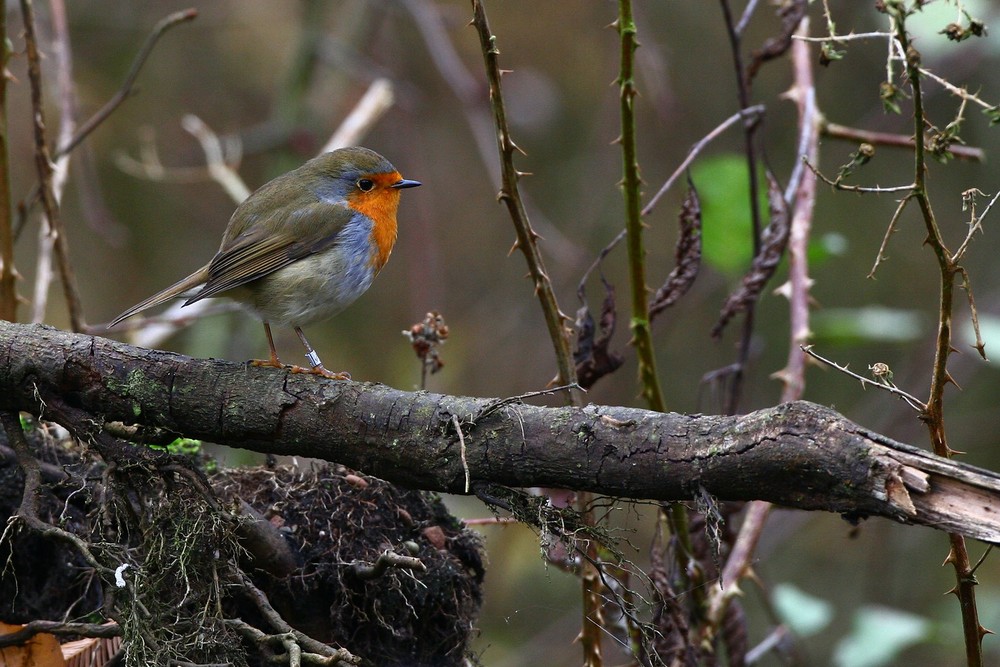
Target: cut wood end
{"points": [[895, 489]]}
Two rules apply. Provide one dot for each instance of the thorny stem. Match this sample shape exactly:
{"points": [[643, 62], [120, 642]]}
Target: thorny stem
{"points": [[641, 334], [510, 195], [739, 561], [793, 375], [555, 320], [933, 415]]}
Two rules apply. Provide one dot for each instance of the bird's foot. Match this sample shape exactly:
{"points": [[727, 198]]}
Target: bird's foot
{"points": [[321, 370], [273, 362], [315, 370]]}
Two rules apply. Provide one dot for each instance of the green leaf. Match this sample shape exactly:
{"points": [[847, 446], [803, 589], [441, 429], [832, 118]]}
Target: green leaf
{"points": [[826, 246], [724, 190], [804, 614], [878, 636], [852, 326], [187, 446]]}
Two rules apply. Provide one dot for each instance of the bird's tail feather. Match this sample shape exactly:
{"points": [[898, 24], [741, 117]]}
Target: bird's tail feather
{"points": [[175, 290]]}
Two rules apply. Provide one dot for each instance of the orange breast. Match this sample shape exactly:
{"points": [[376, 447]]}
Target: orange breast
{"points": [[380, 205]]}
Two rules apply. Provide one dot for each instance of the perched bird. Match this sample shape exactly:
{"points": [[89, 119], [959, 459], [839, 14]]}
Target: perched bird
{"points": [[302, 247]]}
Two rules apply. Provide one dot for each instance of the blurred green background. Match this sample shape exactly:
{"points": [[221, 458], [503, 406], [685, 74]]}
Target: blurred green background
{"points": [[282, 75]]}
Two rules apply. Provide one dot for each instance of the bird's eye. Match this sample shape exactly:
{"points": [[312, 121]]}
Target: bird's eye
{"points": [[366, 184]]}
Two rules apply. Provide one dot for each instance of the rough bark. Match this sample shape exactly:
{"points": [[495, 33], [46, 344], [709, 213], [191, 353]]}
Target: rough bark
{"points": [[797, 454]]}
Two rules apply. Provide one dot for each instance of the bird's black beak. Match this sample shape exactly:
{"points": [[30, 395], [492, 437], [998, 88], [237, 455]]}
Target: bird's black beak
{"points": [[403, 183]]}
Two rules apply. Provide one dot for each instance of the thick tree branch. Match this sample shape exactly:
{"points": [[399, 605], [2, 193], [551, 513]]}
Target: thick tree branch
{"points": [[797, 454]]}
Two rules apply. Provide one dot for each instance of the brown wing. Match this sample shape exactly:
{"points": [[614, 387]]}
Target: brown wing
{"points": [[258, 251]]}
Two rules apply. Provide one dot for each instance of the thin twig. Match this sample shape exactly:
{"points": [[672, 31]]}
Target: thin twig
{"points": [[975, 225], [461, 443], [376, 101], [850, 37], [893, 221], [126, 89], [910, 399], [744, 21], [43, 164], [102, 114], [492, 407], [836, 184], [896, 140], [221, 173], [748, 115]]}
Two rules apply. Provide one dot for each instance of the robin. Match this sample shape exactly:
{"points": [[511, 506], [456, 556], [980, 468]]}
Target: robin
{"points": [[302, 247]]}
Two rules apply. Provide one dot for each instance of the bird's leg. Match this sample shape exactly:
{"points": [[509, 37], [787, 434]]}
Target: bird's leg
{"points": [[273, 361], [317, 365]]}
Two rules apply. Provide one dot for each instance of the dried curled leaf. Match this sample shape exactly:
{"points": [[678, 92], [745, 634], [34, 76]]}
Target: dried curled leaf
{"points": [[592, 355], [791, 13], [687, 254], [772, 247]]}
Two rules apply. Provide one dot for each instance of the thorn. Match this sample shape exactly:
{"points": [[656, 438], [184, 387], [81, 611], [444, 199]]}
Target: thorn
{"points": [[949, 378], [616, 140], [950, 558], [793, 94], [523, 173], [782, 376], [952, 591], [517, 244], [984, 631], [613, 24]]}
